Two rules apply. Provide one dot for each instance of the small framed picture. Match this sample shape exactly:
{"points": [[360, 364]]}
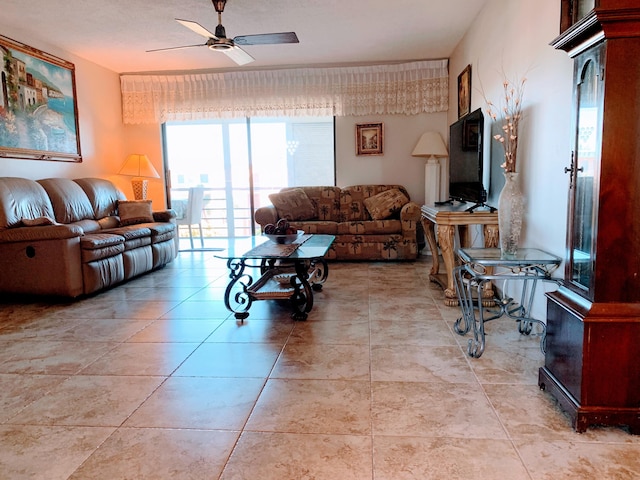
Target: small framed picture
{"points": [[369, 138], [464, 92]]}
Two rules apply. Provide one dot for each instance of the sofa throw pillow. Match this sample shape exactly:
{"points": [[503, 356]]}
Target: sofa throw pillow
{"points": [[293, 204], [132, 212], [385, 204]]}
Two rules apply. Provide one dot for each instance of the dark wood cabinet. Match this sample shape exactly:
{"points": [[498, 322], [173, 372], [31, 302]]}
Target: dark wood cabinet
{"points": [[592, 364]]}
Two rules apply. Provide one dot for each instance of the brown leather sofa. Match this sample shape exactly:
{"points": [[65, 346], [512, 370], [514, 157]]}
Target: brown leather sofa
{"points": [[66, 237], [363, 232]]}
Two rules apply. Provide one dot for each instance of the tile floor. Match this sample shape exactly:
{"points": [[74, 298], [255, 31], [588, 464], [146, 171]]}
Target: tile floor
{"points": [[154, 379]]}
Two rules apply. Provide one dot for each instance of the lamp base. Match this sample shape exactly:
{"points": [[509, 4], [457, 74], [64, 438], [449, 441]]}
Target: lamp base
{"points": [[139, 186], [431, 181]]}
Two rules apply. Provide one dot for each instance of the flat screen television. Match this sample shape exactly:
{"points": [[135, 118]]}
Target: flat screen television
{"points": [[465, 160]]}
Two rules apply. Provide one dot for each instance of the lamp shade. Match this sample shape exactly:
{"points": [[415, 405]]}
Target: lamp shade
{"points": [[138, 165], [430, 145]]}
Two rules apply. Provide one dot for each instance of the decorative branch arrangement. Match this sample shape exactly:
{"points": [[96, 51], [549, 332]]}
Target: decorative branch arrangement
{"points": [[511, 111]]}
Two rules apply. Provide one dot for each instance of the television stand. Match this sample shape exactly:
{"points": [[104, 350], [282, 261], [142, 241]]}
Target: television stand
{"points": [[481, 204], [444, 202], [450, 219]]}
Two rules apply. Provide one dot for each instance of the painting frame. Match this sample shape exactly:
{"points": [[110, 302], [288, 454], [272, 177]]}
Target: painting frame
{"points": [[38, 105], [464, 92], [370, 138]]}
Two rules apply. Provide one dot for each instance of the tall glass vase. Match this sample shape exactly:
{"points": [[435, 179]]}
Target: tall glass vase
{"points": [[510, 213]]}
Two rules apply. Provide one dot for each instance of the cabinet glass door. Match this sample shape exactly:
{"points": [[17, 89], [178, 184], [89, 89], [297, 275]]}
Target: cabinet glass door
{"points": [[584, 174]]}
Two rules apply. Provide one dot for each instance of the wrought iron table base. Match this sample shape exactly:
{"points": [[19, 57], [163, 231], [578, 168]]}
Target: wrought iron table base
{"points": [[475, 314], [304, 275]]}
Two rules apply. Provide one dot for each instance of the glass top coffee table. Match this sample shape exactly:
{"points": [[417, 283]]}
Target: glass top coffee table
{"points": [[287, 272]]}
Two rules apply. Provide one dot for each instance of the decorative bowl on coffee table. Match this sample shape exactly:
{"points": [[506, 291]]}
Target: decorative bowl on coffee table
{"points": [[285, 239]]}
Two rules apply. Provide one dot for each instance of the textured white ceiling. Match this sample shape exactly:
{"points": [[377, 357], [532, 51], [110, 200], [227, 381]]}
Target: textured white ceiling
{"points": [[117, 33]]}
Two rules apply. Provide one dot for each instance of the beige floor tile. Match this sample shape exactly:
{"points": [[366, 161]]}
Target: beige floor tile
{"points": [[347, 332], [45, 328], [415, 332], [100, 307], [230, 360], [411, 458], [337, 362], [373, 385], [97, 401], [513, 366], [102, 330], [159, 453], [199, 403], [191, 310], [410, 363], [172, 294], [409, 310], [286, 456], [560, 460], [142, 359], [41, 452], [527, 411], [433, 409], [176, 331], [253, 330], [313, 406], [49, 357], [19, 391]]}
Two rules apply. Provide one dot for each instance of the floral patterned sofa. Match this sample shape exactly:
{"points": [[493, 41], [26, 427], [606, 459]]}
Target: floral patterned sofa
{"points": [[370, 222]]}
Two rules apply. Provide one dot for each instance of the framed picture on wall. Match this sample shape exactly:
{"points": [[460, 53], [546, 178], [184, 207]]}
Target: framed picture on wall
{"points": [[38, 110], [369, 138], [464, 92]]}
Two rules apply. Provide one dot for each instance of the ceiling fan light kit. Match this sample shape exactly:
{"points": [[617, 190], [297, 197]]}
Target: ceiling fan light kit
{"points": [[229, 46]]}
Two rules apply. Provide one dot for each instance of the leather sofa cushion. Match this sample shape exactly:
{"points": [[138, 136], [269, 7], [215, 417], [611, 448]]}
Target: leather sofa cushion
{"points": [[70, 203], [160, 229], [102, 194], [130, 232], [100, 240], [21, 198], [98, 246]]}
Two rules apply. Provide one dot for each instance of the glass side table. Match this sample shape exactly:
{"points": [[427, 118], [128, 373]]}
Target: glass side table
{"points": [[482, 265]]}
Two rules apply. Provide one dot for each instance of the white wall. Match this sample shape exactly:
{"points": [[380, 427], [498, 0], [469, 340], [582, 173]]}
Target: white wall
{"points": [[512, 38], [396, 165]]}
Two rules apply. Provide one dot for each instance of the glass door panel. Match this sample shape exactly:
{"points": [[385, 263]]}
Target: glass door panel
{"points": [[582, 253], [240, 162]]}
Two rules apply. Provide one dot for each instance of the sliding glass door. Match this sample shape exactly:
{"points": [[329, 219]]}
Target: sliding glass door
{"points": [[239, 163]]}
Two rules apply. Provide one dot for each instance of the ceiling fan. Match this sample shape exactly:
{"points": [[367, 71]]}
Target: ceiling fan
{"points": [[231, 46]]}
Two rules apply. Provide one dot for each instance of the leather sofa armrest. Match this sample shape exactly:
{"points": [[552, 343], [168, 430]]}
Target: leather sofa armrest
{"points": [[266, 215], [164, 215], [47, 232]]}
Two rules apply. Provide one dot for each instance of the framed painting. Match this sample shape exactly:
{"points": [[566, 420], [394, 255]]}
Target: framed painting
{"points": [[38, 110], [464, 92], [369, 138]]}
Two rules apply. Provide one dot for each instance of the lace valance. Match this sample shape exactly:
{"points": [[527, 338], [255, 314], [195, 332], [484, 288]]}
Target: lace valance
{"points": [[405, 88]]}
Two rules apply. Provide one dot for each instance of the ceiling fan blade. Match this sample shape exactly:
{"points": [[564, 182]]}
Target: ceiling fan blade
{"points": [[197, 28], [238, 55], [266, 38], [176, 48]]}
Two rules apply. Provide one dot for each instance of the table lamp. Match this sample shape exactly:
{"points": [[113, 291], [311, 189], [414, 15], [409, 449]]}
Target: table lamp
{"points": [[138, 166], [431, 146]]}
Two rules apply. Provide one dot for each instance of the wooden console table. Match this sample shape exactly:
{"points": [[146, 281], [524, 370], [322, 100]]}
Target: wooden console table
{"points": [[448, 218]]}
